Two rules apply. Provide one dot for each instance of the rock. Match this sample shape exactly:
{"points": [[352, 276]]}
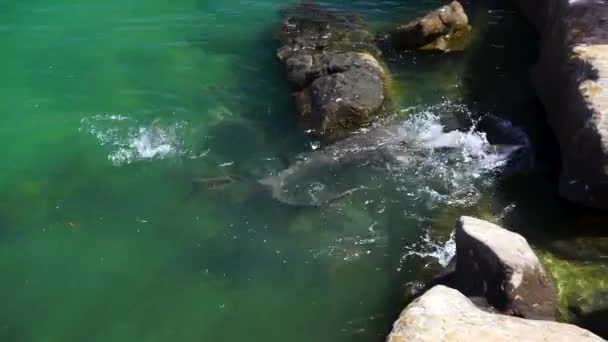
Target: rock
{"points": [[499, 265], [331, 62], [582, 287], [344, 100], [444, 314], [445, 29], [571, 78]]}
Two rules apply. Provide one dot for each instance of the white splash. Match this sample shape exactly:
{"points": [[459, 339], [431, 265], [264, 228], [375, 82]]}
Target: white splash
{"points": [[132, 141], [442, 251], [441, 167], [144, 143]]}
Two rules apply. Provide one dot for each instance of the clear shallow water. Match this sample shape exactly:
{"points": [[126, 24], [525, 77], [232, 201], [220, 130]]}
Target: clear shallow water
{"points": [[110, 109]]}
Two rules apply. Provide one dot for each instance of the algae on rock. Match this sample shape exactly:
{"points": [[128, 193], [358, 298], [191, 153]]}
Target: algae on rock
{"points": [[582, 286]]}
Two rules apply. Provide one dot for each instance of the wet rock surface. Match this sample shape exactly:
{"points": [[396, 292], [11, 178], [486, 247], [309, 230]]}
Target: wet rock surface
{"points": [[571, 78], [499, 265], [444, 314], [331, 61], [445, 29]]}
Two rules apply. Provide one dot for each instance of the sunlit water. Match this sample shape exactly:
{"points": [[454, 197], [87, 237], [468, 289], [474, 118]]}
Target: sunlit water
{"points": [[110, 110]]}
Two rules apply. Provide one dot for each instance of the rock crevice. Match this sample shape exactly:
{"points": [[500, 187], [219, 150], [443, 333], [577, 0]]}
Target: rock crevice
{"points": [[571, 78]]}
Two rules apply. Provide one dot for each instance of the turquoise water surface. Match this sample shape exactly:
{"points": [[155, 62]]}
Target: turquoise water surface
{"points": [[111, 108]]}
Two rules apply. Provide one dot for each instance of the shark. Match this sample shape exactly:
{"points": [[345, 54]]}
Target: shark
{"points": [[351, 165]]}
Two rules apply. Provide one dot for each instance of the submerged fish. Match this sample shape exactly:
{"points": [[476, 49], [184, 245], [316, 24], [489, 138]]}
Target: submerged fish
{"points": [[419, 148], [213, 183]]}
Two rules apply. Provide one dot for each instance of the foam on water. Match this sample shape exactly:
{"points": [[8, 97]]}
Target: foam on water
{"points": [[446, 167], [442, 251], [426, 161], [131, 141]]}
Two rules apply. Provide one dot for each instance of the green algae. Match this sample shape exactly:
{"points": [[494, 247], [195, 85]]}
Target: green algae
{"points": [[581, 285]]}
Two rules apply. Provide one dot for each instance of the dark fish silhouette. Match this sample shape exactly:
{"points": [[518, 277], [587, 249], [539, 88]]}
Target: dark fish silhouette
{"points": [[213, 183]]}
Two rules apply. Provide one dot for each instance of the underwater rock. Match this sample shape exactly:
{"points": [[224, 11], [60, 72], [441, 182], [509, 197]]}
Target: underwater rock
{"points": [[571, 77], [444, 314], [445, 29], [331, 61], [499, 265]]}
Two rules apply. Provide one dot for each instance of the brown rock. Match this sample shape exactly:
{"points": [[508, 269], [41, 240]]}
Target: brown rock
{"points": [[331, 62], [444, 29]]}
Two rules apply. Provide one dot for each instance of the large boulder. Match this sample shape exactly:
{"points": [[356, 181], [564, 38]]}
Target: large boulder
{"points": [[444, 314], [331, 62], [499, 265], [571, 78], [445, 29]]}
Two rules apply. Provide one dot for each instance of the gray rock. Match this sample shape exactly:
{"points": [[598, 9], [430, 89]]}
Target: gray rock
{"points": [[345, 100], [331, 61], [444, 314], [444, 29], [499, 265], [299, 68], [571, 78]]}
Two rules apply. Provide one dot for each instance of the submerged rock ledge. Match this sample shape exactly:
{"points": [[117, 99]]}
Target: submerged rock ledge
{"points": [[571, 78], [499, 292]]}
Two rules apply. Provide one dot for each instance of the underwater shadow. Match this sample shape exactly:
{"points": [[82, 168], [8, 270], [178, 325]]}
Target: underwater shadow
{"points": [[498, 81]]}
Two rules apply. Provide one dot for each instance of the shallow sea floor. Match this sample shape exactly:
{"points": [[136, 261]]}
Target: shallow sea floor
{"points": [[110, 110]]}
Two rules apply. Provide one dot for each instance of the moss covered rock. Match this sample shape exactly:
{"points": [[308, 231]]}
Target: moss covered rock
{"points": [[582, 288]]}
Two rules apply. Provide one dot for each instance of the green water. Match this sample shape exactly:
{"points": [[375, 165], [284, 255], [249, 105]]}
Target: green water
{"points": [[109, 110]]}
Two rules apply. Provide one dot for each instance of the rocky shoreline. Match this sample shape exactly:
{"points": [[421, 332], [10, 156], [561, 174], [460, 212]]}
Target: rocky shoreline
{"points": [[495, 289], [332, 63]]}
